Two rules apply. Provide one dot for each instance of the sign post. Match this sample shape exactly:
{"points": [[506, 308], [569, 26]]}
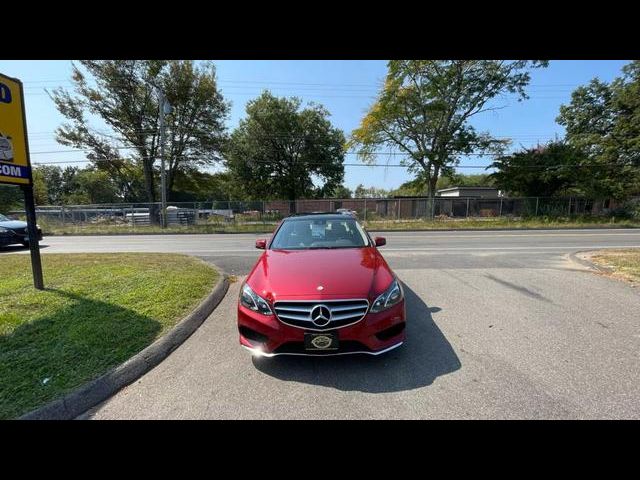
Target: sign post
{"points": [[15, 164]]}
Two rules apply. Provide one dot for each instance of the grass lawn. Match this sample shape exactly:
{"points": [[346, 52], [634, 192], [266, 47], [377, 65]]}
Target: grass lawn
{"points": [[88, 229], [96, 312], [499, 222], [625, 263]]}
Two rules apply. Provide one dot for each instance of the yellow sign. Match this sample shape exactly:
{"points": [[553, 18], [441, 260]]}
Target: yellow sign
{"points": [[14, 151]]}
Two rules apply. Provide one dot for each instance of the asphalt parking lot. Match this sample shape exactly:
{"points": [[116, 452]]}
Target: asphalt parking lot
{"points": [[500, 325]]}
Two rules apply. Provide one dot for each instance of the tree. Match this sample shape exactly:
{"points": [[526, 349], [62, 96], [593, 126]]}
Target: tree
{"points": [[40, 194], [11, 197], [550, 170], [603, 121], [370, 192], [121, 94], [341, 191], [71, 185], [417, 186], [98, 186], [196, 186], [425, 106], [465, 180], [279, 149], [51, 176]]}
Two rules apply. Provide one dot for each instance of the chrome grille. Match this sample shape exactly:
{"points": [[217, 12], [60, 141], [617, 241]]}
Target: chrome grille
{"points": [[341, 313]]}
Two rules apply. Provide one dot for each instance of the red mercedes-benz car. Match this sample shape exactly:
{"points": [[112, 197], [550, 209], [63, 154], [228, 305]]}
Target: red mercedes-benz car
{"points": [[321, 287]]}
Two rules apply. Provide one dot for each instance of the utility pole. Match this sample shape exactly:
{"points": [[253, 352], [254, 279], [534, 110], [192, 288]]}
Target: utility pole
{"points": [[163, 181]]}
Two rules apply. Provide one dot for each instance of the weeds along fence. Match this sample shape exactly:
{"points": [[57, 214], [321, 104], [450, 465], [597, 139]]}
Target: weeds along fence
{"points": [[225, 213]]}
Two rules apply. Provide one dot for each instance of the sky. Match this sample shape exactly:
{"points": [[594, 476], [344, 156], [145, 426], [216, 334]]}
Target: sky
{"points": [[347, 88]]}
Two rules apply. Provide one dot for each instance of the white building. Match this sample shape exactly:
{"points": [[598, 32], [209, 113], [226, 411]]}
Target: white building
{"points": [[470, 192]]}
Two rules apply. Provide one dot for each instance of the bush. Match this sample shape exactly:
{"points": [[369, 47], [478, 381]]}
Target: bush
{"points": [[627, 211]]}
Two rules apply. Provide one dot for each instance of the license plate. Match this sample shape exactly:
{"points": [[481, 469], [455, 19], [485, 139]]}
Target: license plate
{"points": [[321, 341]]}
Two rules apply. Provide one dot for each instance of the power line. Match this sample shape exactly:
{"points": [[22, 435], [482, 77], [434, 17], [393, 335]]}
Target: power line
{"points": [[276, 82], [395, 153], [349, 164], [286, 135], [252, 87], [301, 135]]}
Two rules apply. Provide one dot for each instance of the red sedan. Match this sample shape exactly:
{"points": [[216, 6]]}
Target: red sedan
{"points": [[321, 288]]}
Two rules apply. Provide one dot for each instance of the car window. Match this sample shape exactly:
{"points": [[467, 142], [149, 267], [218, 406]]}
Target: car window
{"points": [[319, 233], [3, 218]]}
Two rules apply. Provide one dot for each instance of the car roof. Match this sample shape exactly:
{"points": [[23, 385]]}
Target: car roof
{"points": [[319, 216]]}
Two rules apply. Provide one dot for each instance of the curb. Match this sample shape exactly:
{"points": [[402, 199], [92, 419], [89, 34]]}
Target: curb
{"points": [[96, 391], [587, 263], [121, 234], [507, 229]]}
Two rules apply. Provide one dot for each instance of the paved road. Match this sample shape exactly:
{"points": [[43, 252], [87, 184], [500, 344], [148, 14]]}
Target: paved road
{"points": [[501, 325], [235, 252]]}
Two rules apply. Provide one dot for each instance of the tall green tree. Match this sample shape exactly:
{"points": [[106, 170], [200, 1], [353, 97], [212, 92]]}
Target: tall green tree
{"points": [[280, 148], [122, 95], [425, 107], [603, 121], [554, 169]]}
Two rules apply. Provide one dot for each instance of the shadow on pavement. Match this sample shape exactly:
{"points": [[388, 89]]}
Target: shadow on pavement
{"points": [[425, 355]]}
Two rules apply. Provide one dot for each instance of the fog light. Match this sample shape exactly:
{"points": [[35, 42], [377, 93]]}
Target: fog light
{"points": [[252, 335], [390, 332]]}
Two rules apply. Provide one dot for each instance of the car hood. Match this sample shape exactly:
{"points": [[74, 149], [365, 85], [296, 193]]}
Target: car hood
{"points": [[12, 224], [342, 273]]}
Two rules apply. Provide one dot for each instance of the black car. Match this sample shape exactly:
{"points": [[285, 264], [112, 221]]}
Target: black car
{"points": [[14, 231]]}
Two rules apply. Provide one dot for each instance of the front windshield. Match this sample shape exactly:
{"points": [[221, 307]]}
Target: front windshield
{"points": [[310, 233], [3, 218]]}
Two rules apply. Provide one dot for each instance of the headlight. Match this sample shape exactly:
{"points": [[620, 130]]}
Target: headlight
{"points": [[3, 230], [388, 299], [253, 301]]}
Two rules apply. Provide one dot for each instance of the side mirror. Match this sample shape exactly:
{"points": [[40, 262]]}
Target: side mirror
{"points": [[380, 241], [261, 244]]}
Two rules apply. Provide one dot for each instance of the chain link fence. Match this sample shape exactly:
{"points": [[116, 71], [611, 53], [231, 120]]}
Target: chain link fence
{"points": [[223, 214]]}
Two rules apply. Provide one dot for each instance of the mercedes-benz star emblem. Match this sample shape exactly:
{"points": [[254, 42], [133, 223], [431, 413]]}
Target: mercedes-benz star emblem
{"points": [[320, 315]]}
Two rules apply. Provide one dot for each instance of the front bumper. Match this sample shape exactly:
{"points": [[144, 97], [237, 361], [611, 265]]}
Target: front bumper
{"points": [[375, 334], [11, 237], [259, 353]]}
